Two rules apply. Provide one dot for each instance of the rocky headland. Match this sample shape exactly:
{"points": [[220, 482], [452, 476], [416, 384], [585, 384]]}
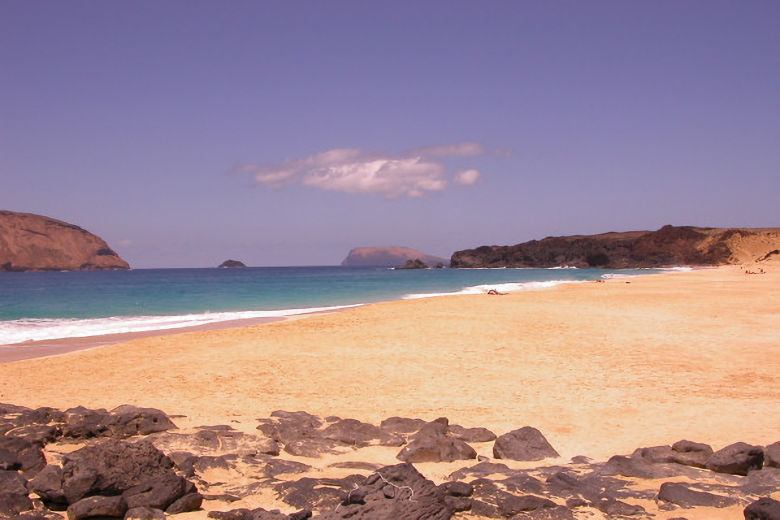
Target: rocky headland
{"points": [[31, 242], [669, 246], [388, 257], [134, 463]]}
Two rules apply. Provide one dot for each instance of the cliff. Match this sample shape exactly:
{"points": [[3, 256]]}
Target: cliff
{"points": [[36, 243], [387, 257], [669, 246]]}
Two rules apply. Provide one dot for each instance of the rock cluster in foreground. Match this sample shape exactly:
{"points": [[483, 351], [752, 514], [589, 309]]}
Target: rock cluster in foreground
{"points": [[134, 463]]}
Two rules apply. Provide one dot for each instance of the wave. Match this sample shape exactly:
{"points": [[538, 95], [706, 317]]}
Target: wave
{"points": [[500, 287], [19, 331]]}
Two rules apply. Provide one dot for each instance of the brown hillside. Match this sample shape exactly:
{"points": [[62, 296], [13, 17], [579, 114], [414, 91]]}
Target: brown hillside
{"points": [[31, 242]]}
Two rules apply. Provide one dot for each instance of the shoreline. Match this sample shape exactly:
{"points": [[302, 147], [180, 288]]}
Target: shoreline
{"points": [[33, 349], [599, 368]]}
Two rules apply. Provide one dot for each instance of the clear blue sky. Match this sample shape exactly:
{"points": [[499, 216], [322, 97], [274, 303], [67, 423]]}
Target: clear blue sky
{"points": [[185, 132]]}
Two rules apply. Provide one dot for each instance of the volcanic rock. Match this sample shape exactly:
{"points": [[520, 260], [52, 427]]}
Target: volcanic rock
{"points": [[144, 513], [31, 242], [21, 454], [772, 455], [764, 508], [127, 420], [526, 443], [736, 459], [110, 468], [47, 484], [395, 492], [433, 443], [684, 496], [98, 506], [13, 494]]}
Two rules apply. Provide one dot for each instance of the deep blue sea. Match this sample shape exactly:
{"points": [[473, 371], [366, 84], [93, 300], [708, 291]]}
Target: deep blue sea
{"points": [[44, 306]]}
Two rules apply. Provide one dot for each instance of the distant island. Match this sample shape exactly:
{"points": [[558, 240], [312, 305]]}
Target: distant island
{"points": [[388, 257], [30, 242], [231, 264], [669, 246], [419, 264]]}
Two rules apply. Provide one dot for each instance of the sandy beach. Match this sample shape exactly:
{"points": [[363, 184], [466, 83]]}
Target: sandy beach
{"points": [[599, 368]]}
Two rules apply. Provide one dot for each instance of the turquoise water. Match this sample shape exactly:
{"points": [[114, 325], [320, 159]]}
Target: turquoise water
{"points": [[38, 306]]}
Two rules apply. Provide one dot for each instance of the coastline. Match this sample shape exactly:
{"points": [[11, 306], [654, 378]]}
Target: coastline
{"points": [[599, 367], [31, 349]]}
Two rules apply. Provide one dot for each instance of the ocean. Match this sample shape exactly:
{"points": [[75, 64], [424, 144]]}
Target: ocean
{"points": [[52, 305]]}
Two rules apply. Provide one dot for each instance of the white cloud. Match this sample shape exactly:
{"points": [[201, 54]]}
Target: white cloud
{"points": [[350, 170], [467, 177]]}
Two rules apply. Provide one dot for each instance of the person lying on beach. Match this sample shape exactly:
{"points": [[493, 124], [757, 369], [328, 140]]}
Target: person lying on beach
{"points": [[493, 292]]}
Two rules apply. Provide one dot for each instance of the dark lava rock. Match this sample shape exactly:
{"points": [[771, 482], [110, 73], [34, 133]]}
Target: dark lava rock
{"points": [[509, 505], [110, 468], [358, 434], [114, 507], [47, 484], [471, 434], [764, 508], [551, 513], [21, 454], [189, 502], [772, 455], [158, 493], [257, 514], [612, 506], [764, 482], [736, 459], [683, 452], [398, 491], [316, 493], [402, 424], [127, 420], [37, 433], [13, 494], [483, 469], [83, 423], [631, 467], [9, 460], [684, 496], [205, 463], [275, 467], [526, 443], [298, 431], [432, 443], [144, 513], [457, 489]]}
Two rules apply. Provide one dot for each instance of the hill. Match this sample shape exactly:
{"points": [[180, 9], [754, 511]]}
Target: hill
{"points": [[669, 246], [387, 257], [31, 242]]}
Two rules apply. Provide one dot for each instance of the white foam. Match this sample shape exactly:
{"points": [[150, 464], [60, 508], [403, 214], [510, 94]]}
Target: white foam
{"points": [[500, 287], [18, 331]]}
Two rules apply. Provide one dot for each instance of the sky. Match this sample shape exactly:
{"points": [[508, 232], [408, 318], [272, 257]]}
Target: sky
{"points": [[186, 132]]}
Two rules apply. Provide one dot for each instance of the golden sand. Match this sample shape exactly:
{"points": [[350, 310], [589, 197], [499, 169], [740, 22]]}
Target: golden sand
{"points": [[599, 368]]}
